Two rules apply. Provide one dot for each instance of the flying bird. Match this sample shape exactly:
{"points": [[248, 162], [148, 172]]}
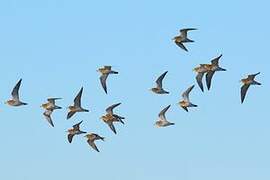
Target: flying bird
{"points": [[162, 121], [214, 67], [77, 105], [246, 83], [185, 103], [109, 118], [159, 89], [75, 130], [49, 107], [91, 138], [201, 70], [15, 101], [105, 72], [182, 38]]}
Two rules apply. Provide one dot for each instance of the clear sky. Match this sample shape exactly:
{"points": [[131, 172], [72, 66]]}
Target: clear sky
{"points": [[57, 46]]}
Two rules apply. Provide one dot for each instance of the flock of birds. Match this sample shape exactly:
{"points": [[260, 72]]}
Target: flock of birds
{"points": [[110, 117]]}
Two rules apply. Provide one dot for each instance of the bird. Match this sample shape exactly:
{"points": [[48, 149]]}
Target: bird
{"points": [[77, 105], [91, 138], [15, 101], [49, 107], [109, 110], [162, 121], [182, 38], [185, 103], [213, 68], [105, 71], [246, 83], [109, 118], [201, 70], [159, 89], [75, 130]]}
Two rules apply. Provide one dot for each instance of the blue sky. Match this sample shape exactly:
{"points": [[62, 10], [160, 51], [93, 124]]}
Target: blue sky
{"points": [[56, 47]]}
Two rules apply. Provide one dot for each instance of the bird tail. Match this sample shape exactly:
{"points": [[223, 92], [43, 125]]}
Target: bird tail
{"points": [[221, 69], [188, 40], [114, 72], [24, 103], [171, 123], [193, 105], [58, 107], [256, 83]]}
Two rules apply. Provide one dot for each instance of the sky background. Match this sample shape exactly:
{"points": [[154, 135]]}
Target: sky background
{"points": [[56, 48]]}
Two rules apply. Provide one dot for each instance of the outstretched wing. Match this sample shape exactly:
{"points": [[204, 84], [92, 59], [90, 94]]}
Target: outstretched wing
{"points": [[244, 89], [199, 80], [162, 115], [215, 60], [160, 79], [92, 144], [181, 45], [52, 100], [70, 114], [77, 100], [70, 137], [109, 110], [47, 115], [77, 126], [185, 95], [112, 127], [184, 31], [103, 79], [15, 91], [209, 76], [252, 76]]}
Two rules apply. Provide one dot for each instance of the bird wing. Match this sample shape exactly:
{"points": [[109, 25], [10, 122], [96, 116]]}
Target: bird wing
{"points": [[47, 115], [15, 91], [77, 100], [108, 67], [244, 89], [162, 115], [252, 76], [70, 114], [109, 110], [103, 79], [160, 79], [199, 80], [185, 95], [92, 144], [184, 31], [77, 126], [70, 137], [209, 76], [215, 60], [112, 127], [181, 45], [52, 100]]}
